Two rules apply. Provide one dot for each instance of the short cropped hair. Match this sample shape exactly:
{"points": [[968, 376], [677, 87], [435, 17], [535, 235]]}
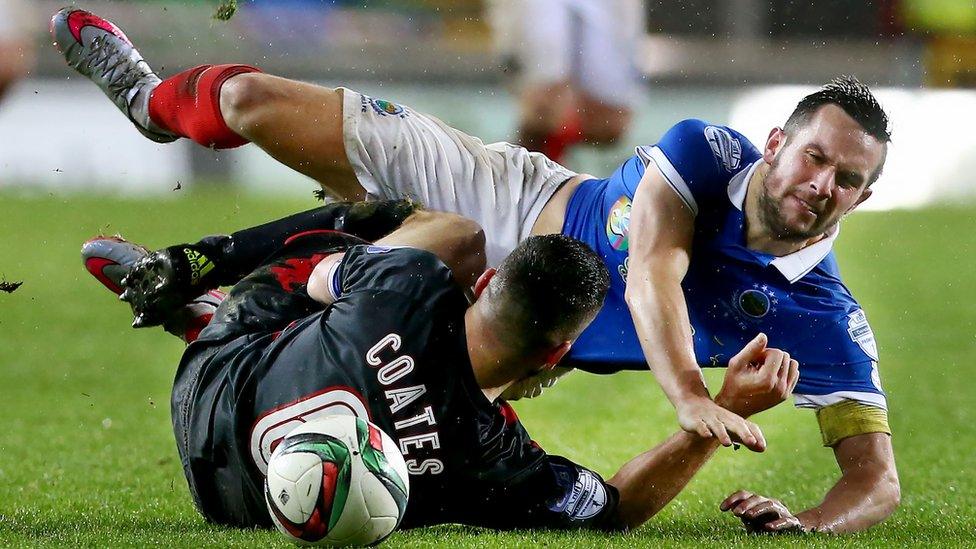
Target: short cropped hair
{"points": [[548, 289], [851, 95]]}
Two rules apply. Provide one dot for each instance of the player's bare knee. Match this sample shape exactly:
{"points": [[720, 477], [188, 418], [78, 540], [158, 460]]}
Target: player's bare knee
{"points": [[470, 249], [243, 97], [476, 241], [473, 234]]}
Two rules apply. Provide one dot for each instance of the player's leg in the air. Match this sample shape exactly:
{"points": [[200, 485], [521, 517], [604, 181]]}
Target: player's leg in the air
{"points": [[299, 124], [166, 286], [355, 145]]}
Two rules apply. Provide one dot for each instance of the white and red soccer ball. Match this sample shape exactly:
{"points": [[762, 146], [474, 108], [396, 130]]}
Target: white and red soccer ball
{"points": [[337, 481]]}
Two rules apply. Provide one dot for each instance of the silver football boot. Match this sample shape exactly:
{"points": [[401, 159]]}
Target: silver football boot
{"points": [[100, 51], [110, 258]]}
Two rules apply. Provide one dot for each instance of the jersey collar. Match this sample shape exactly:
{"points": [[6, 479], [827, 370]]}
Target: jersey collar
{"points": [[793, 266]]}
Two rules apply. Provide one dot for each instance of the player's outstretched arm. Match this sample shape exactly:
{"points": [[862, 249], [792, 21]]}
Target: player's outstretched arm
{"points": [[649, 481], [661, 231], [866, 493]]}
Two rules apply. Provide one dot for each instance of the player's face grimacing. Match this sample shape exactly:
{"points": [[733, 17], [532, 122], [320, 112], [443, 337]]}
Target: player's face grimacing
{"points": [[817, 173]]}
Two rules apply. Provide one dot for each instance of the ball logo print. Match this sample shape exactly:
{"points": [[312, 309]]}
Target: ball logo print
{"points": [[385, 107], [339, 481]]}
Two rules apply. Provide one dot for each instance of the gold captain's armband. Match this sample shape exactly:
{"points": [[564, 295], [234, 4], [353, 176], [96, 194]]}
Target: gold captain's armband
{"points": [[849, 418]]}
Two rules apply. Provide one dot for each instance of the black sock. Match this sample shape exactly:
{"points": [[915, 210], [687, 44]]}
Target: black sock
{"points": [[235, 256]]}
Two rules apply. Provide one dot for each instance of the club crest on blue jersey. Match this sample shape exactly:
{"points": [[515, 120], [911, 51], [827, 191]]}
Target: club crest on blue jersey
{"points": [[726, 148], [618, 224], [754, 303], [383, 107]]}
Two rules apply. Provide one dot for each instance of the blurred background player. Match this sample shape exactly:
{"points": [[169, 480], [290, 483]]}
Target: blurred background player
{"points": [[573, 67], [16, 48]]}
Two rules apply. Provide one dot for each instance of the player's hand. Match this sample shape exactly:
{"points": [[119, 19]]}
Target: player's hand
{"points": [[758, 378], [708, 419], [760, 514]]}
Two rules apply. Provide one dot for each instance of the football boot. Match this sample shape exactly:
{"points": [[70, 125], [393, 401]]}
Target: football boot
{"points": [[109, 259], [100, 51], [125, 268]]}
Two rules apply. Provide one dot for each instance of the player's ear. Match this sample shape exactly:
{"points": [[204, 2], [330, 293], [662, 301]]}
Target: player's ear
{"points": [[557, 354], [482, 282], [865, 194], [774, 142]]}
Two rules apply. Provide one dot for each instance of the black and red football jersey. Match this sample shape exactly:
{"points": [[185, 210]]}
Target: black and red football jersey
{"points": [[392, 348]]}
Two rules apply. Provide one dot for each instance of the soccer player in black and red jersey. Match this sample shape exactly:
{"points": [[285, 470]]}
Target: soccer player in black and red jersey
{"points": [[328, 323]]}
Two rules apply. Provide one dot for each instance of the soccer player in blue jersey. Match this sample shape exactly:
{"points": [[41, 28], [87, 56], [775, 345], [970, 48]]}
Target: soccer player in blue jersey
{"points": [[712, 240]]}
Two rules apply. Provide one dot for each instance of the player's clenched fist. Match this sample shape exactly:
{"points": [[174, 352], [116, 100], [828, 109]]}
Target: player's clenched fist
{"points": [[758, 378]]}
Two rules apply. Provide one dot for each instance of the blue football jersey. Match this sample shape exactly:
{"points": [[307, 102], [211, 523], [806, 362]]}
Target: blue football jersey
{"points": [[732, 292]]}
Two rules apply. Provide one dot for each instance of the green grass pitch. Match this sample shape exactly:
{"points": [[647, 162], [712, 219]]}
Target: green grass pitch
{"points": [[87, 456]]}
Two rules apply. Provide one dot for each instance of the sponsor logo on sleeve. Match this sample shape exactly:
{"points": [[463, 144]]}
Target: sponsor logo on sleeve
{"points": [[618, 224], [585, 494], [861, 333], [726, 148], [382, 107]]}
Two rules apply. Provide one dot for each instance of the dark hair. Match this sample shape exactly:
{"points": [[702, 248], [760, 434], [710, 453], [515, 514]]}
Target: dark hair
{"points": [[548, 289], [851, 95]]}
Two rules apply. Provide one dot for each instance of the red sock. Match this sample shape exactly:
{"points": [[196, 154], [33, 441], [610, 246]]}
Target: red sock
{"points": [[188, 104], [569, 133]]}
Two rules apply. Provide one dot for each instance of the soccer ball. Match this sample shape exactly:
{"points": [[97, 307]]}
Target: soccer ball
{"points": [[336, 481]]}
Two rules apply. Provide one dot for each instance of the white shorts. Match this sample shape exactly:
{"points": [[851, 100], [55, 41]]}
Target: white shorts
{"points": [[591, 44], [397, 152]]}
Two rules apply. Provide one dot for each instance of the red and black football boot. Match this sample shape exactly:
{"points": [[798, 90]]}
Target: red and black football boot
{"points": [[112, 260]]}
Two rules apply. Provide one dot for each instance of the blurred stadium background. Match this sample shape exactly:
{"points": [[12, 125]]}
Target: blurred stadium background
{"points": [[86, 454], [739, 62]]}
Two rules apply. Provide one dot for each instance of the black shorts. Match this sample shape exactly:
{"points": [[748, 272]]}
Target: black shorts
{"points": [[203, 402]]}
